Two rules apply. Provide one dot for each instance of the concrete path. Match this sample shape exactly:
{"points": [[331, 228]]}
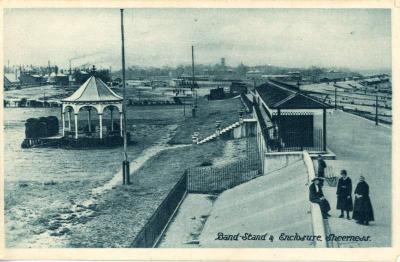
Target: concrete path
{"points": [[186, 227], [272, 204], [362, 149]]}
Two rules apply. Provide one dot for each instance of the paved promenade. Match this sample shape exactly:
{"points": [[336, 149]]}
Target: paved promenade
{"points": [[362, 149]]}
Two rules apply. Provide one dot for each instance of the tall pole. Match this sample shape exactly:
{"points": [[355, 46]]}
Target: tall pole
{"points": [[376, 109], [335, 97], [192, 67], [125, 164], [193, 86]]}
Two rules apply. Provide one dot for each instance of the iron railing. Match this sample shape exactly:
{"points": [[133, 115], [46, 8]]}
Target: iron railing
{"points": [[263, 125], [154, 228], [217, 179], [247, 102], [309, 140]]}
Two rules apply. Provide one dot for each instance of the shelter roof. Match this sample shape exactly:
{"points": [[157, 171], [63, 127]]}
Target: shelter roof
{"points": [[279, 97], [93, 90]]}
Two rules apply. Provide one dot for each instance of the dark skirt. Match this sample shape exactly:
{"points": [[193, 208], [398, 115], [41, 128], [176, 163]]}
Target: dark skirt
{"points": [[363, 209], [344, 203]]}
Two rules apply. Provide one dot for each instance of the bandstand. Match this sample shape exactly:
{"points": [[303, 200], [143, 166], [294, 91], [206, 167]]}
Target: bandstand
{"points": [[93, 95]]}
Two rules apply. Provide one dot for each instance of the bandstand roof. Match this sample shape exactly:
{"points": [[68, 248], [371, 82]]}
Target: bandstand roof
{"points": [[93, 90]]}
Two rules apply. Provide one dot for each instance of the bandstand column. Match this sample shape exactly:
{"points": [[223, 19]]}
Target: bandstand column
{"points": [[121, 122], [63, 123], [69, 120], [76, 125], [112, 124], [101, 125], [89, 120]]}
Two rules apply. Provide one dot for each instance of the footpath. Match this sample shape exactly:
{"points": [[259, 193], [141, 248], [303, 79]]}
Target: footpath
{"points": [[362, 148]]}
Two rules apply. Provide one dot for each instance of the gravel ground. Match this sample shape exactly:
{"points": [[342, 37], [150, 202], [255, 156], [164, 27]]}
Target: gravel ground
{"points": [[42, 211]]}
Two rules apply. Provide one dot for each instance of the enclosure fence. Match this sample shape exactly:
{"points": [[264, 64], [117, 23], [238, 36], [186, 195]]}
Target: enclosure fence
{"points": [[218, 179]]}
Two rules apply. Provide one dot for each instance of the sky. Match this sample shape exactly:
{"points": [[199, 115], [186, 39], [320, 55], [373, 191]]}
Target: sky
{"points": [[351, 38]]}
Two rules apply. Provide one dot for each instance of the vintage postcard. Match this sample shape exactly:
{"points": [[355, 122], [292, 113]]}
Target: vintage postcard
{"points": [[194, 131]]}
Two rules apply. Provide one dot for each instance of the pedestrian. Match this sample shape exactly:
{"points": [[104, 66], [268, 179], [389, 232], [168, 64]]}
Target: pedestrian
{"points": [[321, 166], [317, 196], [343, 192], [363, 212], [321, 169]]}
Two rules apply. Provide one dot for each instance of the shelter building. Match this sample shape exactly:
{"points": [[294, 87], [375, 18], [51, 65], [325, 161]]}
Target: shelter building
{"points": [[290, 120]]}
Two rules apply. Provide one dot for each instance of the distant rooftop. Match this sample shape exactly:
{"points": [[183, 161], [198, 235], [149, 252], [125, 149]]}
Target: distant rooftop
{"points": [[13, 78]]}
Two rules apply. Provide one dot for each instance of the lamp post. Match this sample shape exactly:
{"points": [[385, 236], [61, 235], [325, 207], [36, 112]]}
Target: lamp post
{"points": [[241, 112], [125, 163], [218, 127]]}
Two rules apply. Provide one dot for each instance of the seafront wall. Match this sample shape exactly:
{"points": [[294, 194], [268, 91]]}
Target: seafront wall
{"points": [[274, 161], [317, 220]]}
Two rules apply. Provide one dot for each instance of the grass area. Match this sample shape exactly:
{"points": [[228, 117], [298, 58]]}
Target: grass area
{"points": [[208, 112]]}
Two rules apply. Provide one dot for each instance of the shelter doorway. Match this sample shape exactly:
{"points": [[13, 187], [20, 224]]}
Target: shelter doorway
{"points": [[297, 130]]}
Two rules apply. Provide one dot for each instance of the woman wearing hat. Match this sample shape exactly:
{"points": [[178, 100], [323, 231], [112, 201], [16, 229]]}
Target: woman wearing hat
{"points": [[363, 212], [343, 192]]}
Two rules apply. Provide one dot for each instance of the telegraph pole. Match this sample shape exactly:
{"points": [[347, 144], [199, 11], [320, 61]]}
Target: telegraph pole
{"points": [[125, 163]]}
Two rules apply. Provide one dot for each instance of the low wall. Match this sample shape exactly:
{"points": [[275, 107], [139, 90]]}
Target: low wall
{"points": [[246, 129], [277, 160], [317, 221]]}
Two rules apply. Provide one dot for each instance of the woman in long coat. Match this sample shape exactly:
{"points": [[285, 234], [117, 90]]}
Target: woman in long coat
{"points": [[343, 192], [363, 212]]}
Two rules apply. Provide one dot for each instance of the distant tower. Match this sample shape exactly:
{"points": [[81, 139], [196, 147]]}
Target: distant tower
{"points": [[223, 61]]}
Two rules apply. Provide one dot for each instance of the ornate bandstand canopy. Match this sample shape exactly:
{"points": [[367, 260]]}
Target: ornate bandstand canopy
{"points": [[93, 94]]}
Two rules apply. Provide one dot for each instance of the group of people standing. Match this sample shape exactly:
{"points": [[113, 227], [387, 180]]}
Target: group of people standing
{"points": [[362, 208]]}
